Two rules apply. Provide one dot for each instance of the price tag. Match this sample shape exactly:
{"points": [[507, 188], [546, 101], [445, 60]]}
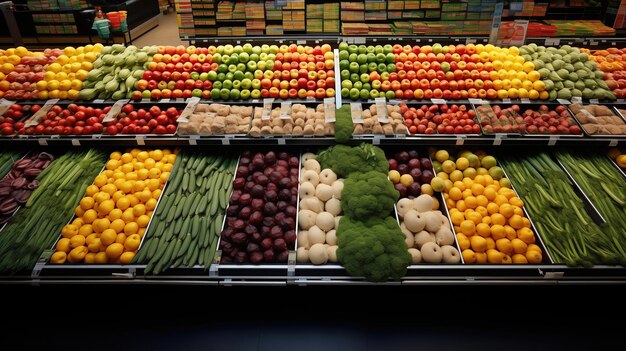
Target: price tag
{"points": [[613, 43], [381, 110], [563, 101], [310, 98], [285, 110], [356, 110], [525, 101], [593, 43], [41, 262], [620, 101], [477, 101], [281, 141], [594, 101], [36, 118], [96, 136], [291, 264], [192, 103], [613, 142], [577, 100], [506, 101], [140, 140], [553, 139], [498, 140], [226, 141], [438, 101], [75, 142], [4, 106], [165, 100], [98, 101], [267, 108], [552, 42], [359, 40], [460, 139], [114, 111], [42, 142], [329, 110], [301, 42], [145, 101], [376, 139], [193, 142], [470, 41]]}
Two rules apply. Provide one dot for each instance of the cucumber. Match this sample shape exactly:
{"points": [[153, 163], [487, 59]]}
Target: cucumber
{"points": [[152, 250], [171, 213], [179, 208], [192, 182], [201, 165], [187, 204], [214, 204], [178, 226], [185, 245], [196, 202], [195, 226], [199, 180], [166, 258], [177, 247], [196, 162], [162, 206], [142, 253], [193, 259], [202, 206], [186, 227], [217, 224], [185, 184], [167, 236], [178, 262]]}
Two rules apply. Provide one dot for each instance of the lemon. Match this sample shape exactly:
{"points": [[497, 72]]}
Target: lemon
{"points": [[53, 85], [76, 84], [54, 94], [72, 94], [69, 51], [42, 85], [49, 76], [65, 85]]}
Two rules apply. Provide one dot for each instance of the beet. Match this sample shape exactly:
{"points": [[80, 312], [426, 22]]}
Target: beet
{"points": [[267, 171], [285, 183], [294, 172], [226, 247], [294, 200], [279, 217], [245, 199], [283, 171], [259, 155], [239, 238], [246, 154], [425, 163], [239, 224], [267, 243], [262, 180], [427, 176], [256, 237], [282, 257], [270, 158], [242, 171], [282, 163], [241, 257], [282, 205], [257, 191], [245, 212], [232, 210], [256, 218], [271, 186], [288, 223], [284, 194], [290, 237], [275, 177], [250, 229], [280, 244], [226, 260], [257, 204], [252, 247], [268, 255], [244, 161], [283, 156], [294, 162], [271, 195], [413, 154], [257, 164], [226, 233], [249, 185], [268, 221], [265, 231], [276, 232], [269, 209], [256, 257], [239, 183]]}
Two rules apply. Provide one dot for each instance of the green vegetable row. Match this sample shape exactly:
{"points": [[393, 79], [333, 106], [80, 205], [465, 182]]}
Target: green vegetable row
{"points": [[188, 220], [6, 161], [35, 228]]}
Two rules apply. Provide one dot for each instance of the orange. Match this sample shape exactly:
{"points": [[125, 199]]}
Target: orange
{"points": [[121, 238], [64, 245], [494, 256], [467, 193], [471, 202], [145, 195], [143, 174], [95, 245], [486, 220], [497, 218], [141, 232], [90, 216], [151, 203], [139, 210], [100, 225], [451, 204], [108, 237], [490, 194], [482, 200], [475, 217], [519, 259], [482, 211], [497, 231], [534, 257], [534, 247], [526, 235], [109, 189], [506, 210], [519, 246], [464, 242], [142, 221], [506, 259], [469, 256], [123, 203], [91, 190], [126, 187], [501, 199], [117, 225], [460, 185], [100, 180], [455, 194], [76, 241], [131, 228], [90, 258], [504, 245], [85, 230], [481, 257], [132, 242], [518, 211], [480, 179], [105, 207], [127, 257], [133, 200], [515, 201], [468, 183], [460, 205], [77, 254], [87, 203], [478, 243], [118, 195], [510, 232], [79, 211], [492, 208], [477, 189], [58, 257], [163, 177], [114, 251], [516, 222], [491, 244], [128, 216], [101, 196], [468, 227], [101, 257], [153, 184], [483, 230]]}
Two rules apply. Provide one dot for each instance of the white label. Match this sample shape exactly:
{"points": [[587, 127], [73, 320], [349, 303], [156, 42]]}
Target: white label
{"points": [[552, 41], [140, 140], [4, 106], [39, 115], [310, 98], [359, 40], [75, 142], [563, 101], [281, 141], [470, 41], [577, 100], [301, 42], [381, 110], [477, 101], [193, 142], [525, 101], [192, 103], [620, 101], [376, 139], [226, 141], [613, 142], [613, 43], [96, 136], [356, 109], [165, 100], [506, 101], [553, 140], [460, 140], [42, 142], [329, 110], [498, 139], [114, 111], [98, 101], [593, 43], [285, 110], [438, 101], [267, 108], [594, 101]]}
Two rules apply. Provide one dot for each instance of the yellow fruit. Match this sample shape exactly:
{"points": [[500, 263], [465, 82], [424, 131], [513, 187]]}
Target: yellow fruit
{"points": [[497, 231], [121, 237], [77, 254], [106, 207], [143, 221], [494, 256], [448, 166], [455, 176], [139, 210], [132, 242], [157, 155], [526, 235], [127, 257], [100, 225], [407, 179], [118, 195], [90, 216], [468, 227], [117, 225], [114, 251], [437, 184], [457, 218], [519, 247], [469, 256], [131, 228], [64, 245], [478, 243]]}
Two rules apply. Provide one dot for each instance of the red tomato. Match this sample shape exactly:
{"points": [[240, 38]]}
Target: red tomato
{"points": [[128, 108], [155, 111], [171, 129]]}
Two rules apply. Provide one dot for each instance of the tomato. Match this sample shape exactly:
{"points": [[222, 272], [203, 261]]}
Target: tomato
{"points": [[56, 109], [35, 108], [57, 130], [128, 108], [47, 130], [92, 120], [106, 109], [80, 116], [155, 111], [6, 130], [145, 130], [18, 125], [98, 127], [96, 111], [51, 115], [162, 120], [71, 120], [78, 130], [72, 108], [111, 130], [141, 122], [16, 107], [171, 112], [153, 123], [133, 115], [141, 113], [171, 129]]}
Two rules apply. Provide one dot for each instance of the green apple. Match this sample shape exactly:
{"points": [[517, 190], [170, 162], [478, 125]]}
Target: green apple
{"points": [[343, 55], [353, 49], [382, 67], [346, 84], [256, 84], [246, 83], [344, 64], [354, 93], [254, 57], [387, 49], [374, 94], [261, 65], [445, 66], [274, 49], [256, 50], [218, 85], [371, 57], [345, 74], [195, 75], [370, 49], [247, 47], [238, 75], [269, 65], [232, 68], [255, 94], [362, 49], [238, 49], [222, 68], [263, 56], [390, 58], [234, 94], [265, 48], [372, 67], [437, 48], [258, 74], [390, 95], [361, 59], [196, 93], [384, 75], [391, 67], [221, 77], [367, 86], [343, 46], [363, 68], [217, 58], [215, 93], [248, 75], [345, 92], [219, 49], [212, 75], [354, 67], [358, 85], [241, 67], [245, 94], [270, 57], [376, 84], [244, 57], [364, 77], [225, 59], [146, 94], [251, 65], [353, 57], [364, 94], [237, 84], [224, 94], [230, 75], [228, 84], [204, 76], [378, 49], [234, 59], [355, 77]]}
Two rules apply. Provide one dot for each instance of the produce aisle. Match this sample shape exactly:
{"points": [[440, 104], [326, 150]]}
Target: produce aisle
{"points": [[304, 165]]}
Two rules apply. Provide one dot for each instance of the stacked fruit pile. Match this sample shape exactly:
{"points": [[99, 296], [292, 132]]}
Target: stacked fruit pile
{"points": [[20, 70], [217, 119], [111, 219], [442, 119], [611, 61], [487, 215], [63, 79], [142, 121], [13, 119], [538, 120], [71, 120]]}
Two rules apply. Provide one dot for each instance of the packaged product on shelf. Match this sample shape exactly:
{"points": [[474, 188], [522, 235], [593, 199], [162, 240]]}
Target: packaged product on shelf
{"points": [[217, 119], [599, 119], [300, 120]]}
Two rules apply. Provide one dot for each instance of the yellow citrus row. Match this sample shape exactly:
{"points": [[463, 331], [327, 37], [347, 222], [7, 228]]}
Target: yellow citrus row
{"points": [[112, 218], [488, 217]]}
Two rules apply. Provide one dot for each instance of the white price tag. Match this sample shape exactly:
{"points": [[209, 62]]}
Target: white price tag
{"points": [[613, 142], [594, 101], [329, 110], [165, 100], [438, 101], [620, 101], [593, 43], [140, 140], [563, 101], [498, 140], [226, 141], [39, 115], [470, 41], [145, 101], [281, 141], [98, 101], [376, 139], [310, 98], [460, 140], [42, 142], [285, 110], [192, 103], [381, 110], [359, 40], [96, 136], [356, 109], [552, 41], [301, 42], [525, 101], [506, 101], [553, 139], [267, 108], [577, 100], [477, 101], [114, 111], [193, 142], [75, 142], [4, 106]]}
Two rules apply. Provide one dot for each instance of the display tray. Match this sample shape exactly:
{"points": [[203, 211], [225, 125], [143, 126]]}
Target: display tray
{"points": [[619, 169], [468, 104], [614, 109], [277, 104], [496, 134]]}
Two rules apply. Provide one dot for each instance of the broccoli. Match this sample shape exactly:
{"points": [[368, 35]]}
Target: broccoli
{"points": [[374, 249], [343, 124], [343, 159], [368, 195]]}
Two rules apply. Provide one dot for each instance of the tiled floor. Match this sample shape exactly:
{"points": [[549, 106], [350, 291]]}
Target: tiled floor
{"points": [[165, 34]]}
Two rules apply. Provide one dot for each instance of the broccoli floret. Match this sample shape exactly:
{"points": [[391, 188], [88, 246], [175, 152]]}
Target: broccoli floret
{"points": [[343, 159], [368, 195], [374, 249], [343, 124]]}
